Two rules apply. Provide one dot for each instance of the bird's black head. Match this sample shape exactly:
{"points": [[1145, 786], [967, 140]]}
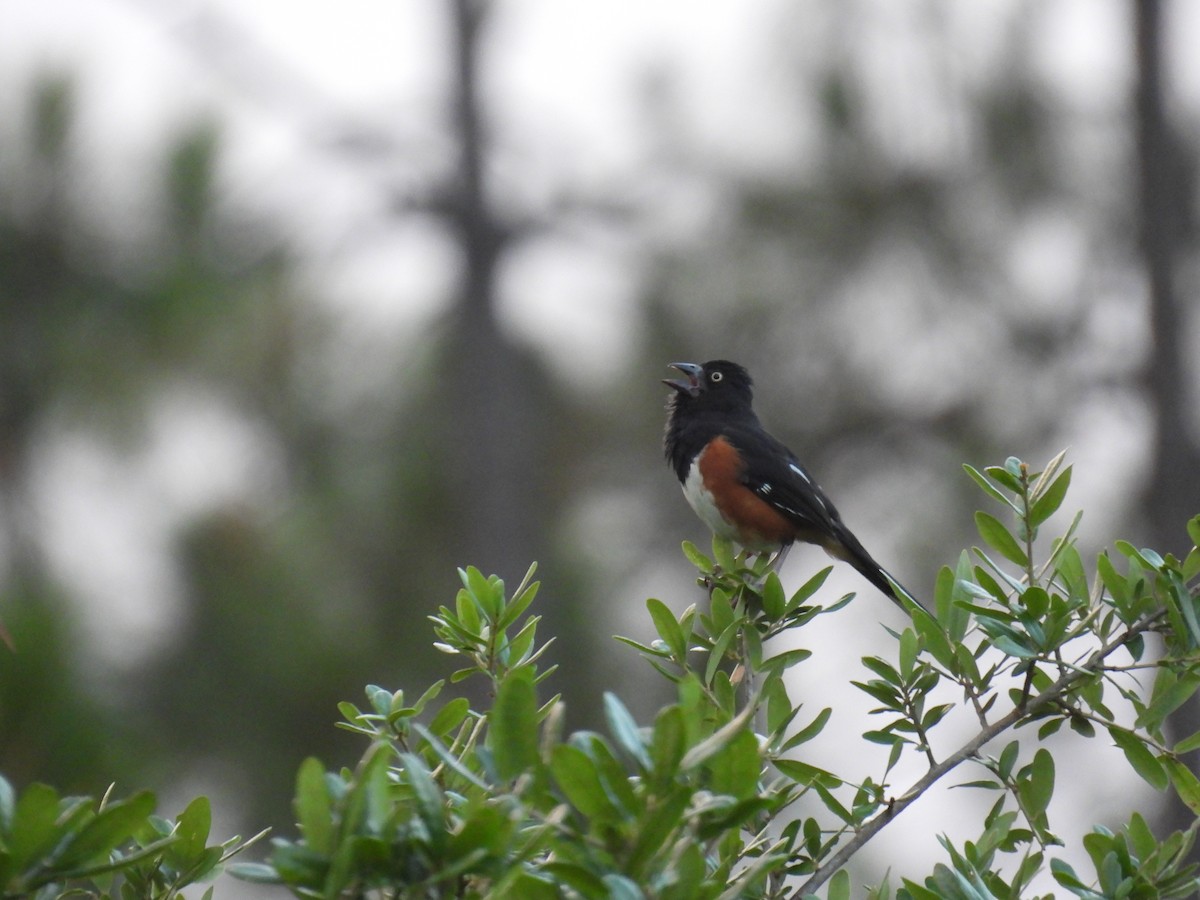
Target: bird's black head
{"points": [[716, 385], [704, 401]]}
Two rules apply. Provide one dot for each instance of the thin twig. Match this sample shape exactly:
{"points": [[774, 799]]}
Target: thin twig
{"points": [[968, 750]]}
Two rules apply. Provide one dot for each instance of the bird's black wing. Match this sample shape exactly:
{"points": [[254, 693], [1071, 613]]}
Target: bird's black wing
{"points": [[774, 474], [772, 471]]}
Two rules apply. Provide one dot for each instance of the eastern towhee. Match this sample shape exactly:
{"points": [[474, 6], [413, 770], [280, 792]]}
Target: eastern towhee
{"points": [[742, 482]]}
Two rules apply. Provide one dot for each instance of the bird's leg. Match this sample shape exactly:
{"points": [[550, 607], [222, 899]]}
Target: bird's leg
{"points": [[777, 560]]}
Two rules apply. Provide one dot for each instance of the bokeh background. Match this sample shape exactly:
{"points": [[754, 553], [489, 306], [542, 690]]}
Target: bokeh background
{"points": [[303, 305]]}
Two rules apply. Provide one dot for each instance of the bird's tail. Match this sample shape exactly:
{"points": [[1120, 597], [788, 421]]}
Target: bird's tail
{"points": [[850, 549]]}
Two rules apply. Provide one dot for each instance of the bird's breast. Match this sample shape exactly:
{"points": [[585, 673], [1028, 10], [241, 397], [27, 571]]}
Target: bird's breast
{"points": [[715, 490]]}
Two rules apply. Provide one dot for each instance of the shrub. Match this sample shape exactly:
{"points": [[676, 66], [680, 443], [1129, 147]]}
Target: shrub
{"points": [[715, 798]]}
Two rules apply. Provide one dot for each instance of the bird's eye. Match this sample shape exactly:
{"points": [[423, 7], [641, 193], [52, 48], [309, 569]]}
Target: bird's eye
{"points": [[715, 377]]}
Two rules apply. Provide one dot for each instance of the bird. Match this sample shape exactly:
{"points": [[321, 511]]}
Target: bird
{"points": [[744, 483]]}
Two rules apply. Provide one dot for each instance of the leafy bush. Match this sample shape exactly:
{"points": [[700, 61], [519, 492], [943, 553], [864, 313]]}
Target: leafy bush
{"points": [[52, 846], [715, 798]]}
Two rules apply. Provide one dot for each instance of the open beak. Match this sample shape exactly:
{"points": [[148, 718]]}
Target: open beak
{"points": [[690, 384]]}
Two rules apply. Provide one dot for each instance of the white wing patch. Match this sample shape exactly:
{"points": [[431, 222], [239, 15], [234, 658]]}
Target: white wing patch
{"points": [[808, 480], [764, 490]]}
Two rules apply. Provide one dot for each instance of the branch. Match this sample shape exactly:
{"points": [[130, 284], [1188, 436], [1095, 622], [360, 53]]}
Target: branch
{"points": [[970, 749]]}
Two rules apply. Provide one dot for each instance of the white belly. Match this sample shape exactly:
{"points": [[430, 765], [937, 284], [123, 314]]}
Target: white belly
{"points": [[701, 500]]}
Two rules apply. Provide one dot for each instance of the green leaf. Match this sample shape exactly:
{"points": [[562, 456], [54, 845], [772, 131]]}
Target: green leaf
{"points": [[883, 669], [431, 804], [809, 731], [578, 778], [886, 738], [1036, 601], [114, 825], [785, 660], [1082, 727], [1008, 645], [914, 890], [625, 730], [697, 559], [774, 601], [752, 650], [839, 886], [806, 774], [807, 590], [120, 860], [1008, 759], [988, 487], [483, 591], [832, 803], [780, 711], [668, 628], [723, 554], [1114, 582], [1187, 606], [450, 716], [1187, 786], [735, 769], [987, 785], [454, 762], [881, 692], [33, 828], [192, 829], [1000, 539], [1051, 726], [513, 725], [660, 652], [1069, 565], [720, 612], [1041, 781], [986, 588], [935, 714], [1140, 757], [933, 637], [526, 593], [297, 863], [1191, 564], [1009, 479], [1141, 837], [943, 592], [910, 646], [1029, 868], [719, 739], [620, 888], [1187, 745], [1170, 693], [578, 878], [1065, 875], [717, 655], [1050, 500], [1131, 552], [256, 873], [314, 806], [669, 743]]}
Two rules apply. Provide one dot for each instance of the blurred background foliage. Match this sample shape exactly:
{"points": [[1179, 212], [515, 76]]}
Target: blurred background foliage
{"points": [[301, 508]]}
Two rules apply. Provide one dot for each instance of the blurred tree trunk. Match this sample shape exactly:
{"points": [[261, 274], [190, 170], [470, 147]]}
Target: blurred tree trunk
{"points": [[1171, 495], [492, 419]]}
